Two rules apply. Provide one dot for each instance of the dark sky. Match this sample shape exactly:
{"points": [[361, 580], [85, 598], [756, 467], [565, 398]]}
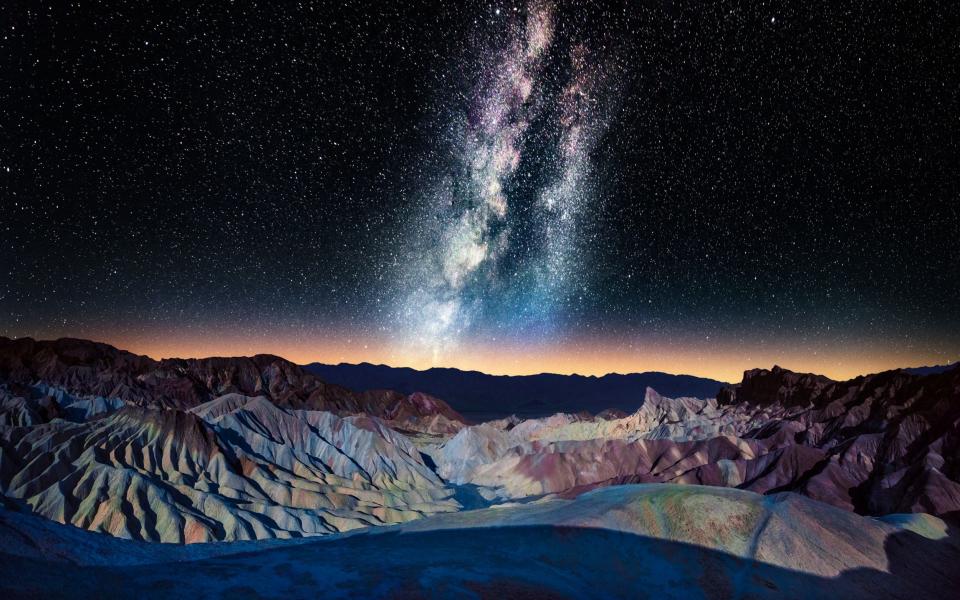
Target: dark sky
{"points": [[505, 186]]}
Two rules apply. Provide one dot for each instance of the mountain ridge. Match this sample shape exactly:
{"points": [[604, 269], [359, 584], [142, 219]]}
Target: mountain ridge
{"points": [[931, 369], [481, 396], [89, 368]]}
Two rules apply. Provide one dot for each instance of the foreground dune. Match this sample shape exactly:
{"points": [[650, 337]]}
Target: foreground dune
{"points": [[653, 540]]}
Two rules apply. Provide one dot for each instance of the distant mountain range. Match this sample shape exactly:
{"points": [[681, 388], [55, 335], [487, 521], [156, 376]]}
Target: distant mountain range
{"points": [[931, 370], [480, 397]]}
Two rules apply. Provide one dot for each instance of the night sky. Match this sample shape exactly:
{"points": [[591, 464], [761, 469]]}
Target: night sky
{"points": [[591, 187]]}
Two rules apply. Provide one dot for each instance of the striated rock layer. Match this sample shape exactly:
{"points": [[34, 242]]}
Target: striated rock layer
{"points": [[234, 468]]}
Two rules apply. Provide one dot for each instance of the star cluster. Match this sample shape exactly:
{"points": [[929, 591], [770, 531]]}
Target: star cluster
{"points": [[510, 186]]}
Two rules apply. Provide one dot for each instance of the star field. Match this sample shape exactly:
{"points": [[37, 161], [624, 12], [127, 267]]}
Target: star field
{"points": [[508, 186]]}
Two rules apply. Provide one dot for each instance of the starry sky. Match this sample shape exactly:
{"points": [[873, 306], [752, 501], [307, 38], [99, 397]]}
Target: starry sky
{"points": [[513, 187]]}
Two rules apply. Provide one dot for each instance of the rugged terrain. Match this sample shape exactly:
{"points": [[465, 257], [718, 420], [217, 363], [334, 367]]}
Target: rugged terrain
{"points": [[876, 445], [232, 468], [255, 451], [176, 451], [95, 372]]}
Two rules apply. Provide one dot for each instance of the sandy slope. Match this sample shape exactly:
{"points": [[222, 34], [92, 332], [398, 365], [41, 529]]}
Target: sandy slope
{"points": [[625, 541]]}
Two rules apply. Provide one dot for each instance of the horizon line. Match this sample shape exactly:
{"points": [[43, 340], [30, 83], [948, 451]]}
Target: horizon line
{"points": [[319, 361]]}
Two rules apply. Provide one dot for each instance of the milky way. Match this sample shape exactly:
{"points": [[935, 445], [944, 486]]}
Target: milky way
{"points": [[538, 110]]}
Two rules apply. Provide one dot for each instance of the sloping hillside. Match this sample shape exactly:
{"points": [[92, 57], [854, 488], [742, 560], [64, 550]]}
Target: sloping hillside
{"points": [[665, 541]]}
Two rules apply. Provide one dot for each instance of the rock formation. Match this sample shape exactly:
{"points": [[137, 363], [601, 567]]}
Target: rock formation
{"points": [[234, 468], [876, 445]]}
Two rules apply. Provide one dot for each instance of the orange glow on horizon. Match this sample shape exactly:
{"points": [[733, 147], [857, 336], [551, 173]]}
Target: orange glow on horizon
{"points": [[725, 362]]}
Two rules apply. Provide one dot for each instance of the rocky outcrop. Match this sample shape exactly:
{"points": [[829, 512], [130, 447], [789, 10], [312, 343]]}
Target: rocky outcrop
{"points": [[890, 441], [774, 386]]}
